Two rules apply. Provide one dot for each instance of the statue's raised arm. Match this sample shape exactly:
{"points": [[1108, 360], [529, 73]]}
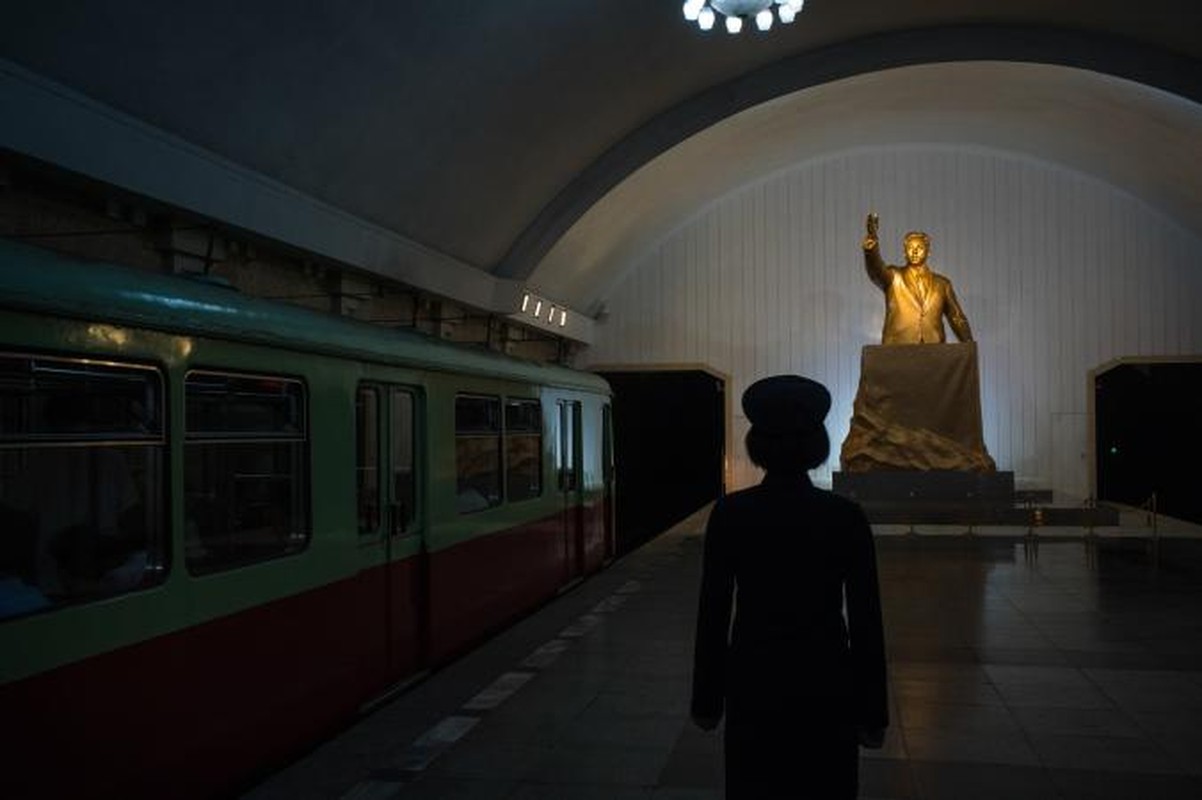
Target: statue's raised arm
{"points": [[872, 253]]}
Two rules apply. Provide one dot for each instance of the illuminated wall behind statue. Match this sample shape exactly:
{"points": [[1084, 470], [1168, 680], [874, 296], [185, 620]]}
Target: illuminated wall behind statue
{"points": [[1057, 272]]}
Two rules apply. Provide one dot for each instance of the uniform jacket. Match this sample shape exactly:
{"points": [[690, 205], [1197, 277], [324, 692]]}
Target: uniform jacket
{"points": [[781, 556]]}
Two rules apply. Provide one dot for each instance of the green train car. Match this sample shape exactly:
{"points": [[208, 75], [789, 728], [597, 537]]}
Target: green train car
{"points": [[227, 524]]}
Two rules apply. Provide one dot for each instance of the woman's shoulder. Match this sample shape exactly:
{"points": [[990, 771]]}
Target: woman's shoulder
{"points": [[740, 501], [735, 499], [837, 504]]}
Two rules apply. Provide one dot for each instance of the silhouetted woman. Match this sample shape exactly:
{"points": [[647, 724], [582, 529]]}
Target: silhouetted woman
{"points": [[801, 680]]}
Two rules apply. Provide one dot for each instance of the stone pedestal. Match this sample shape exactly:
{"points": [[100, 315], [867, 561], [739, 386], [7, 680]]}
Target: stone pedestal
{"points": [[918, 407]]}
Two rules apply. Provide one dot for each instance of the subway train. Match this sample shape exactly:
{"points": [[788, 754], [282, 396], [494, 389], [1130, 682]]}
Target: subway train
{"points": [[228, 525]]}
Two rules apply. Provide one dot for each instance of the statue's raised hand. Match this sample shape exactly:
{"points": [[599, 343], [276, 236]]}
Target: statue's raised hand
{"points": [[870, 241]]}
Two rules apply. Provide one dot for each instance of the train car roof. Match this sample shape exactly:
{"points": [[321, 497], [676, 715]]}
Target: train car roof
{"points": [[32, 279]]}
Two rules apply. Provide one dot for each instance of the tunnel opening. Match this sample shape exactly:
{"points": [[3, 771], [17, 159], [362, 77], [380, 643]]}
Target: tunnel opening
{"points": [[670, 444], [1149, 436]]}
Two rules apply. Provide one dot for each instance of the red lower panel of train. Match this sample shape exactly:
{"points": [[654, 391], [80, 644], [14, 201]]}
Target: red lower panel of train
{"points": [[204, 711]]}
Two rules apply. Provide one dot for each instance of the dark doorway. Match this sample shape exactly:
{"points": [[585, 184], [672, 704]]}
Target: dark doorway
{"points": [[669, 442], [1149, 436]]}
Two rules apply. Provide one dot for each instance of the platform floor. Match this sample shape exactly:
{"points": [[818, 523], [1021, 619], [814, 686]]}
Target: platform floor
{"points": [[1055, 665]]}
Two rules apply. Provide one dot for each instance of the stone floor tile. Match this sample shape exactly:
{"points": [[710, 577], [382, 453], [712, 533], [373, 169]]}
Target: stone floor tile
{"points": [[1095, 785], [951, 691], [1178, 731], [1148, 689], [1103, 753], [491, 761], [1046, 686], [1108, 722], [886, 778], [602, 765], [676, 793], [959, 719], [958, 781], [932, 744], [600, 727], [695, 762], [436, 787]]}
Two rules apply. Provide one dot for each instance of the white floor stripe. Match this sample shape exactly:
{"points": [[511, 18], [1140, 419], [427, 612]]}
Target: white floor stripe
{"points": [[543, 656], [498, 692], [629, 587], [433, 742], [450, 730], [584, 624], [610, 603]]}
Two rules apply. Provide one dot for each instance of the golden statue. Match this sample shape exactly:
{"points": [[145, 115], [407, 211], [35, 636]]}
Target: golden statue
{"points": [[916, 408], [916, 299]]}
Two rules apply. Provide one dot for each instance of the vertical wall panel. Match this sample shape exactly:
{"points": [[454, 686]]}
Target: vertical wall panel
{"points": [[1057, 272]]}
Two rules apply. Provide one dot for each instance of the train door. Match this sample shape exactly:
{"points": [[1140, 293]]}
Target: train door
{"points": [[568, 469], [390, 523], [607, 479]]}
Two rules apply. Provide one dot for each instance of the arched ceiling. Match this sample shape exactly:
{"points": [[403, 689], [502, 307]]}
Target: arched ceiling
{"points": [[1141, 140], [462, 145]]}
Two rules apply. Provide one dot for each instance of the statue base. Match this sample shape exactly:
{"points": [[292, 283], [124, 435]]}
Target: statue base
{"points": [[938, 497], [918, 407], [927, 487], [932, 496]]}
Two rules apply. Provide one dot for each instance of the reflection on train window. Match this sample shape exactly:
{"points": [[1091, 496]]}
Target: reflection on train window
{"points": [[246, 478], [228, 405], [397, 505], [477, 453], [523, 449], [367, 458], [404, 479], [81, 481], [567, 446]]}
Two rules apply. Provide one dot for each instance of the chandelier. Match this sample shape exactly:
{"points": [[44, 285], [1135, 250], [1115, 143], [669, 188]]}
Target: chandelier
{"points": [[703, 12]]}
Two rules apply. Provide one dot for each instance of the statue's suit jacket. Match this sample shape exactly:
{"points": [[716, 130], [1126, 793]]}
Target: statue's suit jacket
{"points": [[793, 676], [913, 316]]}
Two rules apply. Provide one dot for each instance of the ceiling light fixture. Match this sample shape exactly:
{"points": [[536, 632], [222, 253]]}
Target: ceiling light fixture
{"points": [[531, 309], [734, 11]]}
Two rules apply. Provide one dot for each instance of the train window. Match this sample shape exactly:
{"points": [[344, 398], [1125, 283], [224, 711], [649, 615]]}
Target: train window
{"points": [[404, 478], [523, 449], [477, 453], [367, 459], [82, 449], [246, 477]]}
